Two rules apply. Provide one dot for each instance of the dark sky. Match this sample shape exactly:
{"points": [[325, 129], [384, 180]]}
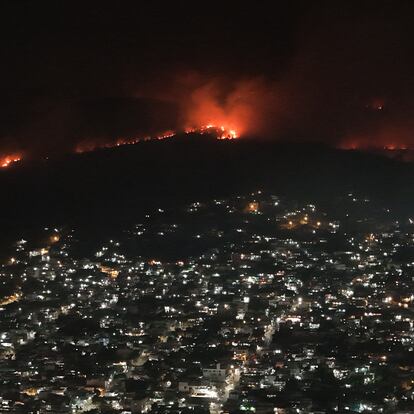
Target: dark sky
{"points": [[334, 71]]}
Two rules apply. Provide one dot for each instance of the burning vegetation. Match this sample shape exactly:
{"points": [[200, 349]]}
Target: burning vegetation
{"points": [[220, 132], [9, 159]]}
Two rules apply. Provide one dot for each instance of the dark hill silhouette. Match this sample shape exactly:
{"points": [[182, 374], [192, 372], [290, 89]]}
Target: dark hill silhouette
{"points": [[111, 187]]}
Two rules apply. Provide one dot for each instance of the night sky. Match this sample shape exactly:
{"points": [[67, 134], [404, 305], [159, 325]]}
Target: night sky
{"points": [[338, 72]]}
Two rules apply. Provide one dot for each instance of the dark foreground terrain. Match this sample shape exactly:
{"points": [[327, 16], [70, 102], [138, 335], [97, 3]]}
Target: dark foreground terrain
{"points": [[108, 189]]}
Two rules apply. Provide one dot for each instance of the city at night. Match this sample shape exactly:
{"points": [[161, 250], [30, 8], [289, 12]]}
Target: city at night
{"points": [[207, 208]]}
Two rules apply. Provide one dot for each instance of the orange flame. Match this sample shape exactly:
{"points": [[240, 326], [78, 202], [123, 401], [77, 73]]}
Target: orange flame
{"points": [[219, 109], [220, 132], [9, 159]]}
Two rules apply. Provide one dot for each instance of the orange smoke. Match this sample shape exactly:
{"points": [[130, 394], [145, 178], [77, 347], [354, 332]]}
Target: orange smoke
{"points": [[7, 160], [204, 110], [220, 107], [391, 136], [235, 108]]}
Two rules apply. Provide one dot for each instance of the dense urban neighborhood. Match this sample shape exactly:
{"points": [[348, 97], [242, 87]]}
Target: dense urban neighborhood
{"points": [[254, 303]]}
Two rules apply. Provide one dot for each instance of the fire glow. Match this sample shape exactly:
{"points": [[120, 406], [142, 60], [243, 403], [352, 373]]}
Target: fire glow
{"points": [[7, 160], [88, 147], [220, 132]]}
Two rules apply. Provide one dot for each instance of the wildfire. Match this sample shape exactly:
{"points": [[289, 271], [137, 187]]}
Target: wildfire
{"points": [[219, 131], [9, 159], [355, 145], [88, 147]]}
